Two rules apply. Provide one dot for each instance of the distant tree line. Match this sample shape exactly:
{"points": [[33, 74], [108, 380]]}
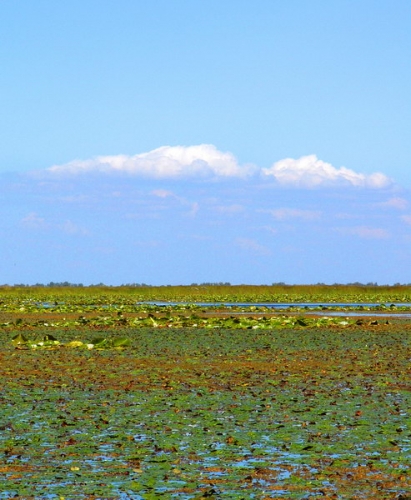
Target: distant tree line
{"points": [[356, 283], [62, 284]]}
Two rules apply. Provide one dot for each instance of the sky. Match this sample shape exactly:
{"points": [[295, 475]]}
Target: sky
{"points": [[201, 141]]}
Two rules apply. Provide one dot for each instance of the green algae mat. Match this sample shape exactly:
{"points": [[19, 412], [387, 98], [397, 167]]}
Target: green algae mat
{"points": [[283, 408]]}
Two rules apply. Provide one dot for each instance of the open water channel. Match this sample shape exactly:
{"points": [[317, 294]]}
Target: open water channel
{"points": [[356, 309]]}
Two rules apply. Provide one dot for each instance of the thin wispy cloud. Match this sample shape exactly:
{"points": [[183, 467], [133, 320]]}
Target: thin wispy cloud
{"points": [[233, 209], [163, 193], [166, 194], [71, 228], [366, 232], [205, 161], [406, 219], [396, 203], [34, 222], [251, 245], [294, 213]]}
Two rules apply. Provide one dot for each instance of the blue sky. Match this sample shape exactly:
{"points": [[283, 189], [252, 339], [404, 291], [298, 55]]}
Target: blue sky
{"points": [[172, 142]]}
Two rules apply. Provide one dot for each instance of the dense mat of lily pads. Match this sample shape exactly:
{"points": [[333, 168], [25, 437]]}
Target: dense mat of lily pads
{"points": [[69, 298], [296, 408]]}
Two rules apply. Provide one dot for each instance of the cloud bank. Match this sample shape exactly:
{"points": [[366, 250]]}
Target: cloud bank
{"points": [[206, 161]]}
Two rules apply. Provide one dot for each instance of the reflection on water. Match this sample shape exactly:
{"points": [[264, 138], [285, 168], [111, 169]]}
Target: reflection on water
{"points": [[362, 309], [361, 314], [283, 305], [344, 314]]}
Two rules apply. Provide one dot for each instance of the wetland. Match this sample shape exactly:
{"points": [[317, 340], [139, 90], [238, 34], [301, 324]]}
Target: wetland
{"points": [[103, 397]]}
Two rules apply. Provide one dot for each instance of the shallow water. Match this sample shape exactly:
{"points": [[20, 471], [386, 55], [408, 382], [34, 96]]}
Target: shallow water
{"points": [[361, 314], [344, 314], [387, 310], [280, 305]]}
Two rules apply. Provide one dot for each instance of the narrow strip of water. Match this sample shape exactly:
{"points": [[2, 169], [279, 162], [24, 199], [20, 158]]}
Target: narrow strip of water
{"points": [[279, 305]]}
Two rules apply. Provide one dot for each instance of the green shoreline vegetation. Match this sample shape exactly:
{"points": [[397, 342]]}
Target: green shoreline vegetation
{"points": [[217, 292], [103, 397]]}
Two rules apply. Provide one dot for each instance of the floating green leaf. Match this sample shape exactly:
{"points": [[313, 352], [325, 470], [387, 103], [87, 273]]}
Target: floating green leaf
{"points": [[19, 339]]}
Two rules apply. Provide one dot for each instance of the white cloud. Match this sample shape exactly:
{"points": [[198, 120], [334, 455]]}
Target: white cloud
{"points": [[310, 172], [167, 162], [206, 161]]}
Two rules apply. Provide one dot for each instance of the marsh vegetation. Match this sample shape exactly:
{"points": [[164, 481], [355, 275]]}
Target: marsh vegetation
{"points": [[187, 402]]}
